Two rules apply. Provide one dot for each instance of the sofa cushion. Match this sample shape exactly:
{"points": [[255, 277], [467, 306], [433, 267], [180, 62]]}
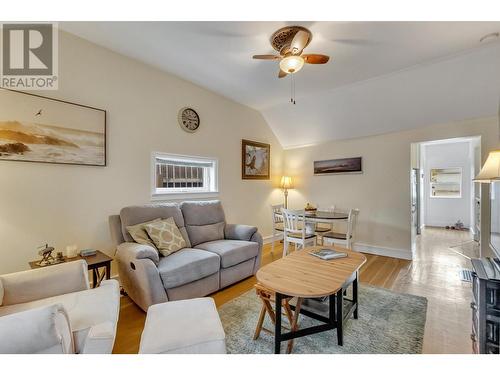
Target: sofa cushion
{"points": [[166, 236], [133, 215], [44, 282], [231, 252], [205, 233], [204, 220], [139, 234], [187, 265]]}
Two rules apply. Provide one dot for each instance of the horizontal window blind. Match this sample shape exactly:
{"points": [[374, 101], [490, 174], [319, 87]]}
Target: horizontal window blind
{"points": [[184, 163]]}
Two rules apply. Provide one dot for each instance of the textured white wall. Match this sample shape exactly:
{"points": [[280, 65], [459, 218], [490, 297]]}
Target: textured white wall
{"points": [[65, 204]]}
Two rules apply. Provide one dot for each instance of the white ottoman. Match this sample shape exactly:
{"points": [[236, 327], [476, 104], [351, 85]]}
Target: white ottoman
{"points": [[189, 326]]}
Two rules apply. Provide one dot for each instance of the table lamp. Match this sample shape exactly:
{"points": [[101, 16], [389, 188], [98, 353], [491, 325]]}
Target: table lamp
{"points": [[285, 184], [491, 168]]}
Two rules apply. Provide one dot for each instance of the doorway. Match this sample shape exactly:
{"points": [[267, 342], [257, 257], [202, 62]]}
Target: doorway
{"points": [[442, 192]]}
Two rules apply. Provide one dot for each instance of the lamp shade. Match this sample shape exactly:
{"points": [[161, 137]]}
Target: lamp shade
{"points": [[292, 64], [491, 168], [286, 182]]}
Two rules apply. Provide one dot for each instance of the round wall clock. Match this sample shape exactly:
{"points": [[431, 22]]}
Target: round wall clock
{"points": [[189, 119]]}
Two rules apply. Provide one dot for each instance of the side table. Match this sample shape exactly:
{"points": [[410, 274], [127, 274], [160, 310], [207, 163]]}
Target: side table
{"points": [[94, 262]]}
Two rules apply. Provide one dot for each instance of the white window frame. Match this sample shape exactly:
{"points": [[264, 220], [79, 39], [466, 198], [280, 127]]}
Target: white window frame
{"points": [[211, 191]]}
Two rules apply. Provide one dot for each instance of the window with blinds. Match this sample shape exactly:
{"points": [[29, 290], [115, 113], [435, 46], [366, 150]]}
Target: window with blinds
{"points": [[184, 174]]}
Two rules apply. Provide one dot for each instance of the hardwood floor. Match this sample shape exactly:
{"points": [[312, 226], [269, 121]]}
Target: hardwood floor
{"points": [[433, 273]]}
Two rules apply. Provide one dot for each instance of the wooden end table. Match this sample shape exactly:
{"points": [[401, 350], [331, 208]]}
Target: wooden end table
{"points": [[94, 262], [303, 276]]}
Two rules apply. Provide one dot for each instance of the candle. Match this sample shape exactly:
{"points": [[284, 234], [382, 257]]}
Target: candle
{"points": [[71, 251]]}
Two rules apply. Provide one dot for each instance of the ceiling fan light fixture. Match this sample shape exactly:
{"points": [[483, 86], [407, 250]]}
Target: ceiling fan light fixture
{"points": [[291, 64]]}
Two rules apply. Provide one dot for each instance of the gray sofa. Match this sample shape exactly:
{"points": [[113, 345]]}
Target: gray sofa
{"points": [[217, 254]]}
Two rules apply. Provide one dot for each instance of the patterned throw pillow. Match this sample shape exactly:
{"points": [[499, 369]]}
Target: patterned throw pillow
{"points": [[139, 234], [166, 236]]}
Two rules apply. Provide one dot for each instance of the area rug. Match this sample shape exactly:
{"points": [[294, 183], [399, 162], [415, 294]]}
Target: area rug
{"points": [[389, 322]]}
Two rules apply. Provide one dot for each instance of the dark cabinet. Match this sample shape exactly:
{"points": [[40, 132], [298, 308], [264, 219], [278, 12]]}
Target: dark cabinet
{"points": [[485, 306]]}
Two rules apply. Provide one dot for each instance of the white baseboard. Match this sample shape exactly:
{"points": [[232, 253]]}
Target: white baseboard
{"points": [[269, 239], [384, 251], [443, 224]]}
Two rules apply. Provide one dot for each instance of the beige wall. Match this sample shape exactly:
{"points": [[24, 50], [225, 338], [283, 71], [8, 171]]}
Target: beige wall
{"points": [[64, 204], [382, 191]]}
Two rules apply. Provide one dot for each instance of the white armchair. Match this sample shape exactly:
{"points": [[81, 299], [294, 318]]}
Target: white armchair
{"points": [[63, 290], [44, 330]]}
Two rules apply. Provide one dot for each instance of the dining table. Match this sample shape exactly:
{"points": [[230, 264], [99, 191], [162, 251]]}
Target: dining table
{"points": [[326, 217]]}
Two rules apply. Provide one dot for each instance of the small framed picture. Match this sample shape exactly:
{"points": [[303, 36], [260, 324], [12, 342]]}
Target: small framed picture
{"points": [[338, 166], [255, 160]]}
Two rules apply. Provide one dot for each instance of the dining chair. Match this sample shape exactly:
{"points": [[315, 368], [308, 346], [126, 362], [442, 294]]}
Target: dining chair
{"points": [[345, 239], [277, 223], [320, 229], [295, 230]]}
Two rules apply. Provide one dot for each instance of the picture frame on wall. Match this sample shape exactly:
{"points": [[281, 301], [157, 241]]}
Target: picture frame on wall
{"points": [[35, 128], [255, 160], [338, 166]]}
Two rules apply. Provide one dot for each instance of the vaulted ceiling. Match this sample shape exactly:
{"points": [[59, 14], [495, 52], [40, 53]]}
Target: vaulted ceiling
{"points": [[382, 76]]}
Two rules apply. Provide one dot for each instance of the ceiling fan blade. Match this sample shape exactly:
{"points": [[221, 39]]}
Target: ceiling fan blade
{"points": [[267, 57], [313, 58], [282, 74], [299, 41]]}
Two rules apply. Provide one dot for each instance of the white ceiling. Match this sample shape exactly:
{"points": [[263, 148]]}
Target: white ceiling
{"points": [[382, 76]]}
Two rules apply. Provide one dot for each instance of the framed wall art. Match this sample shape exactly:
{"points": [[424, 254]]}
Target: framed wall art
{"points": [[255, 160], [338, 166], [35, 128]]}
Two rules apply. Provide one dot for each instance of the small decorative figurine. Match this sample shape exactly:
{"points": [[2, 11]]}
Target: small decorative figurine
{"points": [[47, 258], [310, 207]]}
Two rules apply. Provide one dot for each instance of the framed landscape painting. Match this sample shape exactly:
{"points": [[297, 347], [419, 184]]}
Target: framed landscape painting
{"points": [[39, 129], [338, 166], [255, 160]]}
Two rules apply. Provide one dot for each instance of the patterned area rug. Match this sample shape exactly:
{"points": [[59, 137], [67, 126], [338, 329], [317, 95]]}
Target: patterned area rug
{"points": [[389, 322]]}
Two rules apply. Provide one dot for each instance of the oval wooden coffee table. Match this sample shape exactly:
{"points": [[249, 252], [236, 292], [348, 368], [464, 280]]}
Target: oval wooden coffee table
{"points": [[302, 275]]}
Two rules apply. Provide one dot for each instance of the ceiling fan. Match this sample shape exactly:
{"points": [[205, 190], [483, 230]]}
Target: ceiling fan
{"points": [[290, 42]]}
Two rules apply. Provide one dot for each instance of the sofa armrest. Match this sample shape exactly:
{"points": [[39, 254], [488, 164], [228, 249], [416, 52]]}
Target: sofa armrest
{"points": [[44, 330], [139, 275], [134, 250], [103, 320], [32, 285], [239, 232]]}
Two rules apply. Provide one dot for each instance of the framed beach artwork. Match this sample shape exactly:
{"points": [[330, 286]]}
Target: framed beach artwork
{"points": [[255, 160], [34, 128], [338, 166]]}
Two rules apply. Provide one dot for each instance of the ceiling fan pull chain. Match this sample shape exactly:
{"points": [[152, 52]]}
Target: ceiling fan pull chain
{"points": [[292, 89]]}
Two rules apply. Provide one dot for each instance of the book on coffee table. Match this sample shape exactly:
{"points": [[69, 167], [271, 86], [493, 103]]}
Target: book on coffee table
{"points": [[327, 254]]}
